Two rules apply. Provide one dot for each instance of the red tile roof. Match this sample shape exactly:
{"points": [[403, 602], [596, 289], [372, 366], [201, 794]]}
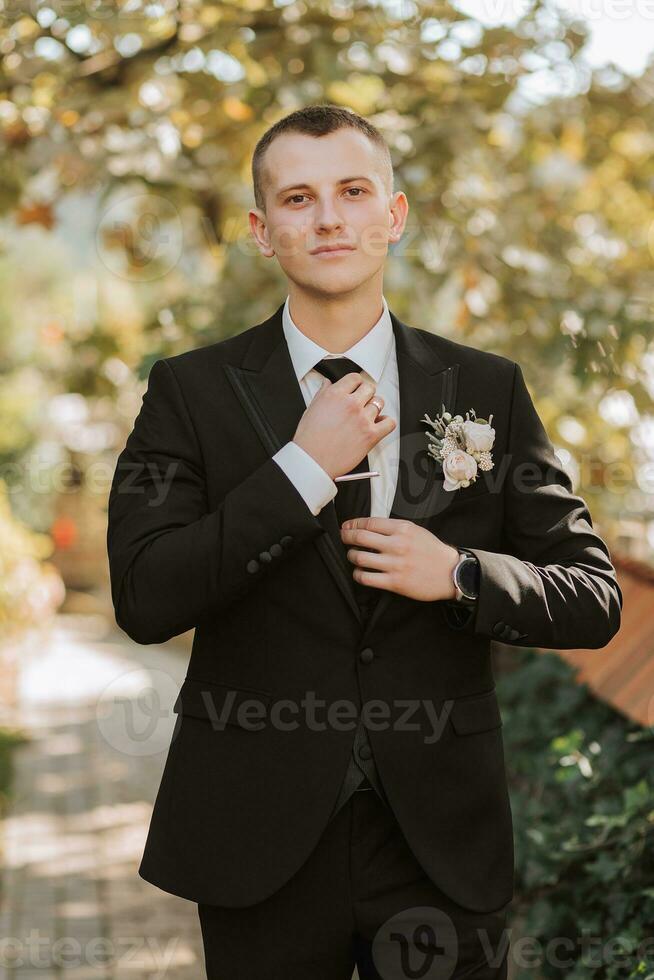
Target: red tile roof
{"points": [[622, 672]]}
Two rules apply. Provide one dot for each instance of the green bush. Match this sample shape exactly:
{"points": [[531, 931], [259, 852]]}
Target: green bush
{"points": [[583, 808]]}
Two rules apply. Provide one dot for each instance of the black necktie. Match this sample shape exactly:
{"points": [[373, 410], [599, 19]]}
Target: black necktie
{"points": [[353, 497]]}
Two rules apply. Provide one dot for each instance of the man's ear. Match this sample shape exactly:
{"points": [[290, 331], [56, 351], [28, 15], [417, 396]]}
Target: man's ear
{"points": [[399, 208], [259, 230]]}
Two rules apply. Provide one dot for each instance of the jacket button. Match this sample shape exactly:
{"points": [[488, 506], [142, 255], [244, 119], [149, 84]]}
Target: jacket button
{"points": [[253, 566], [513, 635], [276, 550], [286, 541], [498, 627], [365, 752], [366, 656], [265, 556]]}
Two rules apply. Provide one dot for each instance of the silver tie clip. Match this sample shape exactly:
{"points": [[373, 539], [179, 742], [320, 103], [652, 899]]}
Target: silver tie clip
{"points": [[356, 476]]}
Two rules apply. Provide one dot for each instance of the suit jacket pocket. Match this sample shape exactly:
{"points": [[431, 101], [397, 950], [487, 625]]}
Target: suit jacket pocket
{"points": [[479, 713], [223, 704], [476, 489]]}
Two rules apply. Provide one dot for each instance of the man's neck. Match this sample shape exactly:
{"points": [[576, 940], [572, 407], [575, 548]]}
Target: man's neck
{"points": [[335, 324]]}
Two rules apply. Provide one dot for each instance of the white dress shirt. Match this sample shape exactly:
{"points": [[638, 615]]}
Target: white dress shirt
{"points": [[376, 355]]}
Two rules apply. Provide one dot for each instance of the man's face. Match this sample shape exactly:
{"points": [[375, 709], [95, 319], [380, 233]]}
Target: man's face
{"points": [[322, 191]]}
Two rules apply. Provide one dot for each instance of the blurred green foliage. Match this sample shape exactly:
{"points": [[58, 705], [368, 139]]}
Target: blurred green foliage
{"points": [[10, 739], [127, 129], [30, 587], [583, 810]]}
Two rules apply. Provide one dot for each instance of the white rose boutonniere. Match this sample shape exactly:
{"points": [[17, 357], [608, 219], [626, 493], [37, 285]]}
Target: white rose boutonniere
{"points": [[462, 446]]}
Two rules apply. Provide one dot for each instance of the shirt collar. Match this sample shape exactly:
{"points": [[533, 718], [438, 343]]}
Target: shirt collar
{"points": [[370, 353]]}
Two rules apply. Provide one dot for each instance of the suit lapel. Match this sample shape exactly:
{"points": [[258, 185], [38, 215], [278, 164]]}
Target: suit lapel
{"points": [[426, 382], [270, 394]]}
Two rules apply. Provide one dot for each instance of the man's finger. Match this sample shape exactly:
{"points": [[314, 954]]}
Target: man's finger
{"points": [[365, 539], [382, 525], [378, 580], [373, 560]]}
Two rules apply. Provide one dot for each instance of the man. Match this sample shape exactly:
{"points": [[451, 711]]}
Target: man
{"points": [[335, 793]]}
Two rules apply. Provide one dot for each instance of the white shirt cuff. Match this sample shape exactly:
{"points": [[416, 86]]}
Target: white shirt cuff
{"points": [[314, 485]]}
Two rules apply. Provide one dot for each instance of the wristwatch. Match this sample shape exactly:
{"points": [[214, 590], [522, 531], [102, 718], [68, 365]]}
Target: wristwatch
{"points": [[465, 576]]}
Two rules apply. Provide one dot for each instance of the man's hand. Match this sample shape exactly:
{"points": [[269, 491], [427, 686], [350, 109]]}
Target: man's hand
{"points": [[407, 559], [341, 425]]}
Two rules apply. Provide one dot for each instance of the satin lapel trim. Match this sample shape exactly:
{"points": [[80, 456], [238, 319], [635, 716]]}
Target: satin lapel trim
{"points": [[426, 382], [268, 390]]}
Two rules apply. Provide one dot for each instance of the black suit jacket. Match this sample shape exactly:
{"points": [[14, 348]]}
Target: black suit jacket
{"points": [[206, 531]]}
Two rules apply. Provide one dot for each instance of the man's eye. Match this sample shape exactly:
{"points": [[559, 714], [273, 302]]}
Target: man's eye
{"points": [[294, 197]]}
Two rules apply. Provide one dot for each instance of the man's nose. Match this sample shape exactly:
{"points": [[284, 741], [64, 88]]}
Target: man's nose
{"points": [[327, 215]]}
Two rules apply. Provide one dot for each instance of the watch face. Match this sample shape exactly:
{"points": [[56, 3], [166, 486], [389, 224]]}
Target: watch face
{"points": [[468, 577]]}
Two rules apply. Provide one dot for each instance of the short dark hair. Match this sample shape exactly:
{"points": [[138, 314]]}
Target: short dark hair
{"points": [[316, 120]]}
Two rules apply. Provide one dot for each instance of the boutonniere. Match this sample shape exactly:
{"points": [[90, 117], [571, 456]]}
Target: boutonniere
{"points": [[462, 446]]}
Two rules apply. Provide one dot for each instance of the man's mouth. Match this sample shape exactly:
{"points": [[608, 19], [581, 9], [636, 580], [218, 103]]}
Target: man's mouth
{"points": [[333, 250]]}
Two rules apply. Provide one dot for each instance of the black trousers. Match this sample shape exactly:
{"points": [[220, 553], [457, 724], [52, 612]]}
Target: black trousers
{"points": [[361, 898]]}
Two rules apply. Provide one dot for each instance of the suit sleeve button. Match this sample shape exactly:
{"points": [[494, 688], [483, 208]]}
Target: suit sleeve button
{"points": [[265, 556], [253, 566], [276, 550], [498, 627], [286, 541]]}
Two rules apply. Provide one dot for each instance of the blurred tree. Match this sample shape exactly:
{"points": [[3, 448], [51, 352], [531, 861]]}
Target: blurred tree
{"points": [[531, 223]]}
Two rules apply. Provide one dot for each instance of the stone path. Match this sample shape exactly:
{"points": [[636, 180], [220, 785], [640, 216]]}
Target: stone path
{"points": [[73, 904]]}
